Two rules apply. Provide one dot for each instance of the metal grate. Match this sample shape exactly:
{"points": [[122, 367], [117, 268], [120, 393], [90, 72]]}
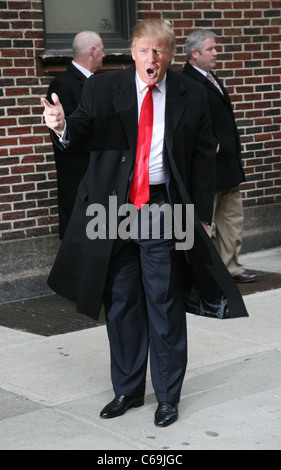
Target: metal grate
{"points": [[47, 316], [53, 315], [266, 281]]}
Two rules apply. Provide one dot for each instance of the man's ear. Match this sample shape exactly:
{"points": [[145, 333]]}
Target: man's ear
{"points": [[194, 53]]}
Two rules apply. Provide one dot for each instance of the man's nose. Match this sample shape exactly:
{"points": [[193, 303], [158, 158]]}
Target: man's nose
{"points": [[151, 55]]}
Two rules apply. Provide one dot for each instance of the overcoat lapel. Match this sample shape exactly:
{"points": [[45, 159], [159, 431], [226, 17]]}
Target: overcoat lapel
{"points": [[126, 105], [206, 81], [201, 78], [174, 108], [76, 72]]}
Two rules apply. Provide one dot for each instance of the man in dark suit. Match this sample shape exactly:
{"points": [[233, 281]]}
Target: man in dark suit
{"points": [[227, 225], [87, 58], [141, 278]]}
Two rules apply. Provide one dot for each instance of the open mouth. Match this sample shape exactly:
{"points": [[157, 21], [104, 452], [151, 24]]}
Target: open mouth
{"points": [[151, 72]]}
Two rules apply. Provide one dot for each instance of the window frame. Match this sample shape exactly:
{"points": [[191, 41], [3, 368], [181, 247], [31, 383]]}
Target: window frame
{"points": [[60, 44]]}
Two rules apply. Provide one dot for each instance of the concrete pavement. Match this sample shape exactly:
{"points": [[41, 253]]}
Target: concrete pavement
{"points": [[53, 388]]}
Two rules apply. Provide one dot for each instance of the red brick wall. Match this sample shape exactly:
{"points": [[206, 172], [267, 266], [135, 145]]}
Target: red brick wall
{"points": [[27, 173], [250, 65]]}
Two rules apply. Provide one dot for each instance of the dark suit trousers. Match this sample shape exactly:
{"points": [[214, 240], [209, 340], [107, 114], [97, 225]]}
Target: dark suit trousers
{"points": [[145, 312]]}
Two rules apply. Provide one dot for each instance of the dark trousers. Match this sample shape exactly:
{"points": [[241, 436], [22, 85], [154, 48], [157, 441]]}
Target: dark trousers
{"points": [[145, 312]]}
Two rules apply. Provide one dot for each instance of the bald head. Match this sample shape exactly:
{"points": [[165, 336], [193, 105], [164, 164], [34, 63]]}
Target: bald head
{"points": [[88, 50]]}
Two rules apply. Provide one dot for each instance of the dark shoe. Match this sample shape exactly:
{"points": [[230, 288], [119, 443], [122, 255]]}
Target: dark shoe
{"points": [[243, 278], [166, 414], [120, 405]]}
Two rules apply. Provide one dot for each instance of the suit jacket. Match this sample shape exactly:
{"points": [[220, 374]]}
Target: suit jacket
{"points": [[229, 173], [107, 119], [70, 167]]}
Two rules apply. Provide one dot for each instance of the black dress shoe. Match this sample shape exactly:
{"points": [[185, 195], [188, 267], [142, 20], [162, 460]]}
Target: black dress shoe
{"points": [[166, 414], [243, 278], [120, 405]]}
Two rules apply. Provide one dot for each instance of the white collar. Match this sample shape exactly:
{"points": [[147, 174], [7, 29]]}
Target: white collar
{"points": [[200, 70], [85, 72], [161, 85]]}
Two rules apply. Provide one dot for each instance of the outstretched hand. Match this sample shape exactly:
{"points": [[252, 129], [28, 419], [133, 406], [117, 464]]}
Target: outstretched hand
{"points": [[54, 114]]}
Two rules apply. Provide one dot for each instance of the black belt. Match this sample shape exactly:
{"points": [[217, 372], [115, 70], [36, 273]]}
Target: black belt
{"points": [[157, 187]]}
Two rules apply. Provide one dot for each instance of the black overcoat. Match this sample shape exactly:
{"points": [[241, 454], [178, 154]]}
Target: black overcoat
{"points": [[107, 116], [229, 170], [71, 167]]}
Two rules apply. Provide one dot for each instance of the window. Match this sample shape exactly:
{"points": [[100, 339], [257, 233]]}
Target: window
{"points": [[112, 19]]}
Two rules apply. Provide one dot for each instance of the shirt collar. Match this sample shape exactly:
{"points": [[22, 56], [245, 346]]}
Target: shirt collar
{"points": [[85, 72], [201, 71], [142, 85]]}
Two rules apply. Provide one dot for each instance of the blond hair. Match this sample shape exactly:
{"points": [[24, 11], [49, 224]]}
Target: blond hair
{"points": [[157, 29]]}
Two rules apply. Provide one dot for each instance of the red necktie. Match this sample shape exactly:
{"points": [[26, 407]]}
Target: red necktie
{"points": [[139, 191]]}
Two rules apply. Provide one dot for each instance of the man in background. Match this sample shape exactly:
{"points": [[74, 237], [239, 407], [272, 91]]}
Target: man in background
{"points": [[227, 226], [87, 58]]}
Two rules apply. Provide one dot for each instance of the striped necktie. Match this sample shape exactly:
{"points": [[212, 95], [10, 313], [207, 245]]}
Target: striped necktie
{"points": [[214, 82]]}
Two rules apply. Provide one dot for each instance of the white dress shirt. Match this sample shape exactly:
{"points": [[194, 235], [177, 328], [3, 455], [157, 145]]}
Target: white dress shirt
{"points": [[156, 174]]}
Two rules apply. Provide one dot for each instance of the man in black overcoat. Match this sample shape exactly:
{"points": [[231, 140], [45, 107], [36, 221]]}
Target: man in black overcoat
{"points": [[227, 226], [142, 280], [87, 58]]}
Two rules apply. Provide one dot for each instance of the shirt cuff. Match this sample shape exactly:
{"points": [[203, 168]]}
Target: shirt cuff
{"points": [[63, 138]]}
